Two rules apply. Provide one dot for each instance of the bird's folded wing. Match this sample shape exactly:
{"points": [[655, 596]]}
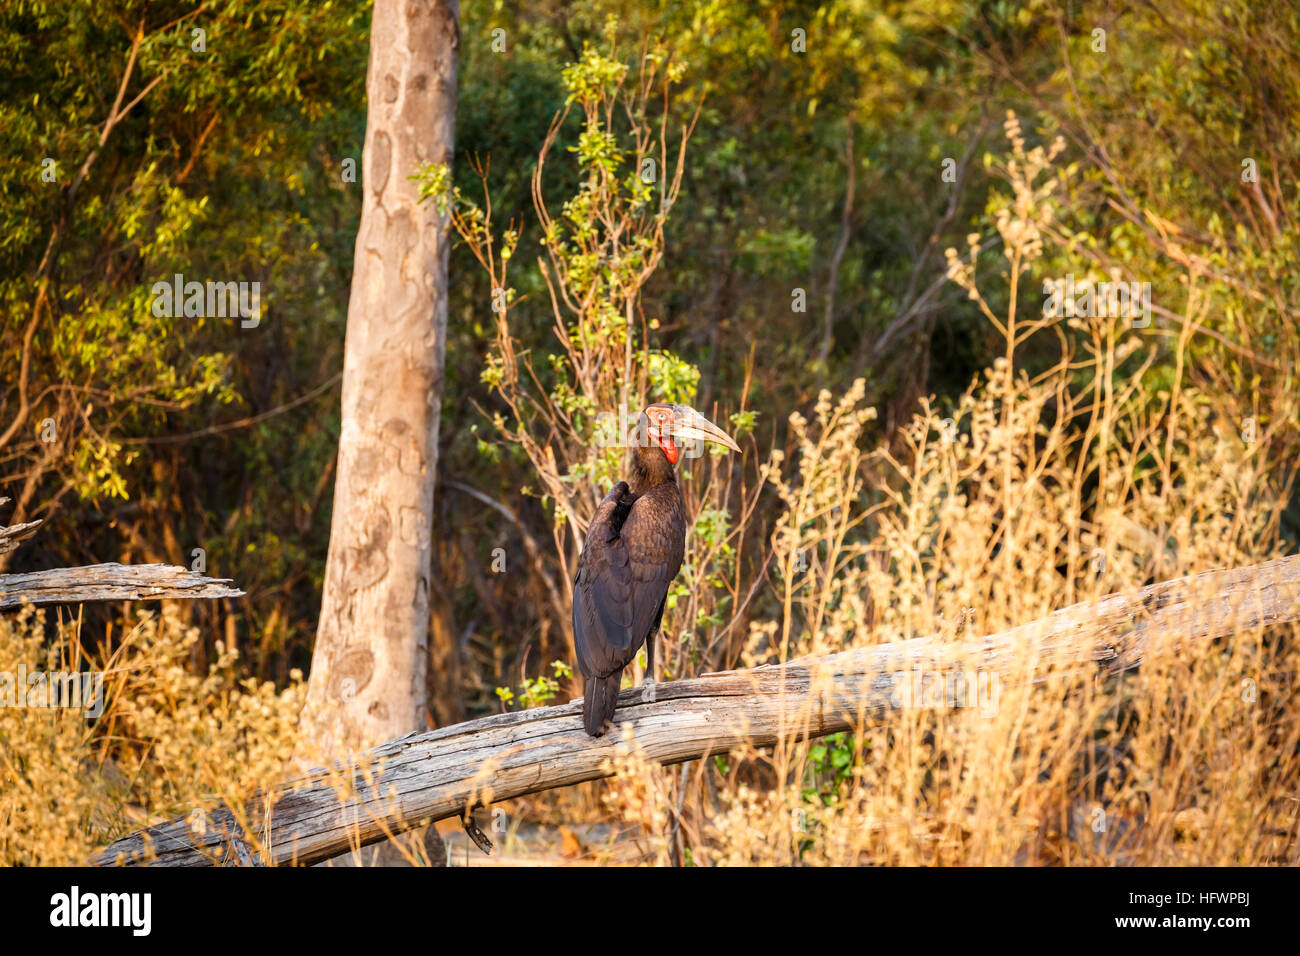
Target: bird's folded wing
{"points": [[618, 591]]}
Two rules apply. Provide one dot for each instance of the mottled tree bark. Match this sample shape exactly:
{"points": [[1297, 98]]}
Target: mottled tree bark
{"points": [[368, 678]]}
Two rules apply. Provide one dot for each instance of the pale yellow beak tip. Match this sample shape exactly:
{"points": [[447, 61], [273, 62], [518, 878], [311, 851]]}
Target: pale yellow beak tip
{"points": [[688, 423]]}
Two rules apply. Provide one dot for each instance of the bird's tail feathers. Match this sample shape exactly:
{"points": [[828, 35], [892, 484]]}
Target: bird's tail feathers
{"points": [[598, 702]]}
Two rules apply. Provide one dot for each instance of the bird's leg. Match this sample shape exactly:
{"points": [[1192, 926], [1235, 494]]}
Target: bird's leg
{"points": [[649, 659], [648, 682]]}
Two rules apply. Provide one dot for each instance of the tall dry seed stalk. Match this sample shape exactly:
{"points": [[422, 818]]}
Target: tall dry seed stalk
{"points": [[1033, 493]]}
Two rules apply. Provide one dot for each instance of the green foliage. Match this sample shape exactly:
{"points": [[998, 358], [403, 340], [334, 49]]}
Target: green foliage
{"points": [[830, 768], [671, 378], [536, 691], [221, 163]]}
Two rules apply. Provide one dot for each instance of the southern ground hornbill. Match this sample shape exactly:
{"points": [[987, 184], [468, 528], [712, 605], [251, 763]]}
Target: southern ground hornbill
{"points": [[634, 549]]}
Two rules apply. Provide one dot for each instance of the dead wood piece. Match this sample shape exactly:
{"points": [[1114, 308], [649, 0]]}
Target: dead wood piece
{"points": [[110, 582], [15, 535]]}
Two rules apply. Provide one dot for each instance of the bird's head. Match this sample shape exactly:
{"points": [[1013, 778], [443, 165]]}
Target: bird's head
{"points": [[677, 428]]}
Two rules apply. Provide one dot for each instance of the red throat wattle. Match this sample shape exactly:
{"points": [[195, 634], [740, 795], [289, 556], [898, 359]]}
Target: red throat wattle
{"points": [[669, 448]]}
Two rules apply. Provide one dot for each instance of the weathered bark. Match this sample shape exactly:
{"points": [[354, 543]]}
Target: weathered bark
{"points": [[14, 535], [439, 774], [368, 675], [100, 582], [110, 582]]}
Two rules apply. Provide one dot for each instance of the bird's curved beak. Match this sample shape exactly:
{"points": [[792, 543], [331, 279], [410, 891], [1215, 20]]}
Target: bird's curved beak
{"points": [[690, 424]]}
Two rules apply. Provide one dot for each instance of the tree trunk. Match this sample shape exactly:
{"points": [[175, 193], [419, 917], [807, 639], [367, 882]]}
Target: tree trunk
{"points": [[368, 678]]}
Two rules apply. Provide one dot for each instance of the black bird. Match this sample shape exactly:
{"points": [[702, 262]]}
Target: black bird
{"points": [[634, 549]]}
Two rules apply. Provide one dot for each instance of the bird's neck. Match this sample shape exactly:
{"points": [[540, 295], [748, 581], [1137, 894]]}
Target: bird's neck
{"points": [[650, 468]]}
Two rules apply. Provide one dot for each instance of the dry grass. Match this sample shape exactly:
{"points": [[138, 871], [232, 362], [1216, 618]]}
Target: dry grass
{"points": [[169, 743]]}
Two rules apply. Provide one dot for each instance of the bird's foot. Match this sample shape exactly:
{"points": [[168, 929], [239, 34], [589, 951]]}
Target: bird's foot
{"points": [[648, 690]]}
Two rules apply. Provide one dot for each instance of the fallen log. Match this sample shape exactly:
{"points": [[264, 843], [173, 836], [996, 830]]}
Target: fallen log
{"points": [[100, 582], [435, 775], [110, 582]]}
